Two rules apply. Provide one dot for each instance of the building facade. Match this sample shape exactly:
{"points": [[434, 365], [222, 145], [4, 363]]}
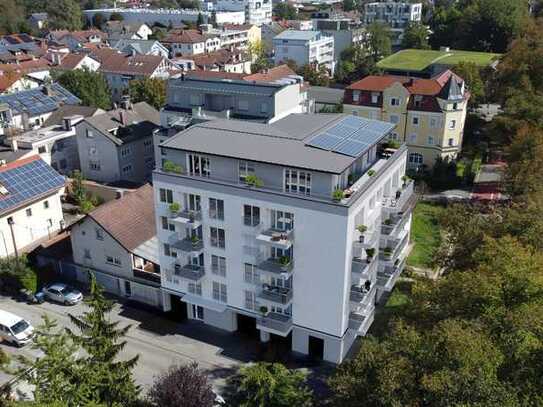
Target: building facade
{"points": [[396, 15], [292, 228], [305, 47], [429, 114]]}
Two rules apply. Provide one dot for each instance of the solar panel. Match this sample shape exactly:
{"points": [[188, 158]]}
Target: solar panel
{"points": [[325, 141], [351, 147]]}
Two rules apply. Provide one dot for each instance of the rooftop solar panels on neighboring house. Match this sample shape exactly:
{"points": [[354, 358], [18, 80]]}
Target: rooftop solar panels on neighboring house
{"points": [[352, 135], [27, 180], [39, 100]]}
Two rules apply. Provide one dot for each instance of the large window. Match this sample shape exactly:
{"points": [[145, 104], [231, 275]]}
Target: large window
{"points": [[298, 182], [193, 202], [216, 209], [245, 169], [251, 215], [250, 300], [195, 288], [199, 165], [166, 195], [415, 158], [251, 274], [218, 265], [217, 237], [219, 292], [282, 220]]}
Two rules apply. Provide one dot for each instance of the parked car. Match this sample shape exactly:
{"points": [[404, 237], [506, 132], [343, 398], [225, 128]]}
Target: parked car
{"points": [[14, 329], [63, 293]]}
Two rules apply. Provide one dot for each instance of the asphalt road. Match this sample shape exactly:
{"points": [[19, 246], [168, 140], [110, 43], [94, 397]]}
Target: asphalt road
{"points": [[159, 342]]}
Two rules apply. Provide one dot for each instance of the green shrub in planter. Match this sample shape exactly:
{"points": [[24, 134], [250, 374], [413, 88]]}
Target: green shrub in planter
{"points": [[254, 181], [338, 194], [371, 173], [170, 166], [264, 310], [362, 228], [174, 207]]}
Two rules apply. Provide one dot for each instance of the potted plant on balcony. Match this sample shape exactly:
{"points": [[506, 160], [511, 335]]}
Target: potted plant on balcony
{"points": [[264, 310], [387, 222], [369, 254], [398, 194], [371, 173], [338, 194], [174, 208], [170, 166], [387, 252], [405, 179], [194, 240], [253, 181], [362, 229], [284, 261]]}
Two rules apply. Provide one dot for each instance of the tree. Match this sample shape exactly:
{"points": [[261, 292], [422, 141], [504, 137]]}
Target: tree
{"points": [[270, 384], [90, 87], [379, 41], [17, 274], [200, 20], [11, 17], [285, 11], [108, 379], [116, 17], [471, 73], [64, 15], [316, 76], [349, 5], [98, 20], [415, 36], [150, 90], [355, 63], [182, 386]]}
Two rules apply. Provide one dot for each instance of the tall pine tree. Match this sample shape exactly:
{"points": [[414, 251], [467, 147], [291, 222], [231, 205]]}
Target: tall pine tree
{"points": [[108, 379]]}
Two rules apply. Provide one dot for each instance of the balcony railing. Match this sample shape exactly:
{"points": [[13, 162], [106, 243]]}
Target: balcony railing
{"points": [[277, 322], [189, 271], [188, 217], [362, 269], [146, 275], [360, 323], [361, 296], [186, 244], [395, 248], [280, 295], [276, 237], [386, 279], [402, 198], [275, 265]]}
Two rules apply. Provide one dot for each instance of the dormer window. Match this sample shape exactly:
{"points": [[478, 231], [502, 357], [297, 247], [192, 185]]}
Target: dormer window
{"points": [[394, 102]]}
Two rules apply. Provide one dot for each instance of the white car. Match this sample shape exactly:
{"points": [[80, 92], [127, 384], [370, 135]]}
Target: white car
{"points": [[14, 329], [63, 293]]}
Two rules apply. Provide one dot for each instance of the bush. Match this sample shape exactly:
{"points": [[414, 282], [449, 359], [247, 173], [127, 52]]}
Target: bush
{"points": [[170, 166], [254, 181], [16, 275], [338, 194], [174, 207]]}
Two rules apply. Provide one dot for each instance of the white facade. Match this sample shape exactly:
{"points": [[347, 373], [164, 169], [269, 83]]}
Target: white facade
{"points": [[175, 17], [257, 12], [397, 15], [305, 47]]}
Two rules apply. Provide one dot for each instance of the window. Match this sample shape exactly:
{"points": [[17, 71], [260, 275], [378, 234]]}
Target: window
{"points": [[263, 108], [298, 182], [89, 134], [127, 169], [434, 122], [418, 100], [195, 100], [219, 292], [394, 101], [149, 163], [413, 138], [251, 215], [166, 195], [42, 150], [199, 165], [94, 165], [45, 204], [452, 124], [148, 145], [193, 203], [394, 119], [243, 105], [451, 142], [113, 260], [99, 234], [167, 251], [216, 209], [282, 220], [125, 151], [167, 225], [430, 141], [415, 158], [245, 169], [195, 288], [127, 288], [217, 237], [416, 121], [87, 254], [455, 106], [29, 212], [374, 97], [356, 95], [250, 300], [218, 265], [251, 274]]}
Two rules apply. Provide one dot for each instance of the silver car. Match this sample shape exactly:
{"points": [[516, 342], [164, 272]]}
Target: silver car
{"points": [[63, 293]]}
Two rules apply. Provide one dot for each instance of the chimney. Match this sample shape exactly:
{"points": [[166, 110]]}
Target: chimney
{"points": [[13, 144], [25, 120], [122, 117], [67, 123], [47, 90]]}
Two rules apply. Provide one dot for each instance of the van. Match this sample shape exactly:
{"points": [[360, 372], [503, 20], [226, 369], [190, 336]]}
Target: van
{"points": [[14, 329]]}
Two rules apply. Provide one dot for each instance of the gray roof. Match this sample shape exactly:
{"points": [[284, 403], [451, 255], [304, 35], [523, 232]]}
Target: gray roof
{"points": [[143, 47], [226, 86], [142, 120], [324, 95], [299, 35], [70, 110], [281, 143]]}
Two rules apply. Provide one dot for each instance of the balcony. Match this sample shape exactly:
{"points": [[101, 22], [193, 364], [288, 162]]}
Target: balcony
{"points": [[360, 323], [279, 238], [362, 269], [146, 275], [386, 279], [276, 266], [394, 224], [361, 296], [280, 324], [186, 244], [189, 271], [403, 200], [188, 218], [391, 252], [279, 295]]}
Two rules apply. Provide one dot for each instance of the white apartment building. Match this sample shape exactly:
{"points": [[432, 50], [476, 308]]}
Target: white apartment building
{"points": [[293, 229], [305, 47], [397, 15], [257, 12]]}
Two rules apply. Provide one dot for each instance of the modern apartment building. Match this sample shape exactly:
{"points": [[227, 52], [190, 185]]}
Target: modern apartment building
{"points": [[205, 97], [293, 228], [429, 113], [305, 47], [395, 14], [257, 12], [345, 32]]}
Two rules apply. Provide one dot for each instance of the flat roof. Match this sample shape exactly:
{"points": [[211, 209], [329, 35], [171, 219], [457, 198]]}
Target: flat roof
{"points": [[419, 59], [285, 142], [302, 35]]}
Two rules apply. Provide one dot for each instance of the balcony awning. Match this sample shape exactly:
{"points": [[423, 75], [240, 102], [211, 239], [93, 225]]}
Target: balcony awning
{"points": [[209, 304]]}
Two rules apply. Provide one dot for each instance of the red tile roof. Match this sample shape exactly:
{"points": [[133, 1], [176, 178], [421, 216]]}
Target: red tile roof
{"points": [[272, 74], [131, 64], [131, 219], [18, 163], [71, 61], [186, 37], [9, 78]]}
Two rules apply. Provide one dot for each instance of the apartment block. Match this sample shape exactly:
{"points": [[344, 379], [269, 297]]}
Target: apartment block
{"points": [[294, 229], [257, 12], [305, 47], [395, 14], [429, 114]]}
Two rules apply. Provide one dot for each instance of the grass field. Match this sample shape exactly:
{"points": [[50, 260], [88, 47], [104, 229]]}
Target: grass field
{"points": [[399, 298], [418, 59], [425, 234]]}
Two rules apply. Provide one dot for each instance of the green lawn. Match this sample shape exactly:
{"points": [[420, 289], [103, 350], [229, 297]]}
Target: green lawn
{"points": [[418, 60], [398, 299], [425, 234]]}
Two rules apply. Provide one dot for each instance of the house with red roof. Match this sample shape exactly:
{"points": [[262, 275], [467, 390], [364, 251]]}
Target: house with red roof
{"points": [[429, 114]]}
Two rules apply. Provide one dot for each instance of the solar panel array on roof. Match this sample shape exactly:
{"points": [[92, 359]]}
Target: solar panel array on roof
{"points": [[352, 136], [36, 102], [28, 182]]}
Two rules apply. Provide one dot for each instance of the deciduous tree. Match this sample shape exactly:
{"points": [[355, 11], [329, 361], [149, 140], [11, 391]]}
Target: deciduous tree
{"points": [[90, 87], [150, 90]]}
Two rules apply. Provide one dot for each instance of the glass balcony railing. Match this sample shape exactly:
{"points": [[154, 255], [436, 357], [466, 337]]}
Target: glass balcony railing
{"points": [[276, 322], [189, 271]]}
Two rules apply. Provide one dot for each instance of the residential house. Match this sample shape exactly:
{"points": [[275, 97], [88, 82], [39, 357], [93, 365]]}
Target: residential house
{"points": [[191, 42], [326, 99], [346, 33], [117, 241], [118, 145], [30, 208], [397, 15], [269, 32], [429, 114], [38, 21], [305, 47], [78, 39], [294, 228], [70, 62], [29, 109], [234, 36], [141, 47], [13, 80], [235, 61], [257, 12], [117, 30]]}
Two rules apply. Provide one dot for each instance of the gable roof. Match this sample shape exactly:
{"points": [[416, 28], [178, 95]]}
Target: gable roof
{"points": [[141, 121], [27, 180], [131, 64], [71, 61], [271, 74], [131, 219], [143, 47], [58, 115], [186, 37]]}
